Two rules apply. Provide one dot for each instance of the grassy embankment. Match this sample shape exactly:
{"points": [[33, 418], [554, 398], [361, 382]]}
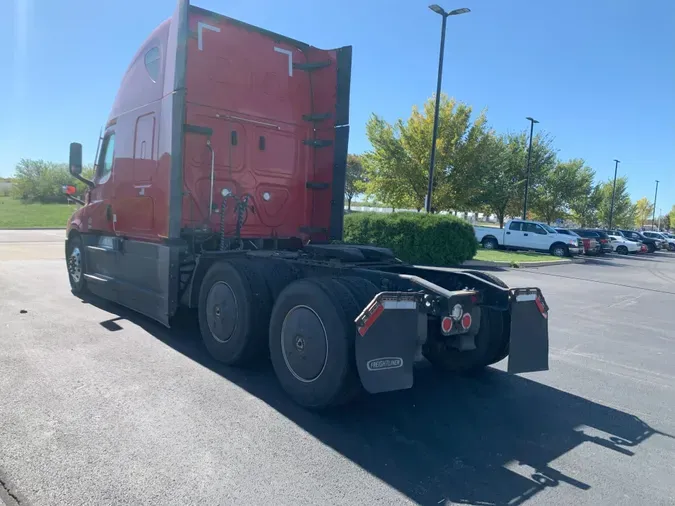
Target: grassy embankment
{"points": [[16, 214]]}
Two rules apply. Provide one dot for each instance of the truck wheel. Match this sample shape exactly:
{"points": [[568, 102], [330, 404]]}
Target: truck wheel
{"points": [[234, 308], [75, 265], [311, 342], [560, 250], [491, 346], [490, 243], [362, 289], [622, 250]]}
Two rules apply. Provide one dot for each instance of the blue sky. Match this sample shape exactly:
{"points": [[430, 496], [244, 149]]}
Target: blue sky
{"points": [[599, 75]]}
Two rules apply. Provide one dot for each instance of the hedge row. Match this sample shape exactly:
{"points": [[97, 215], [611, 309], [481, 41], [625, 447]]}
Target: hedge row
{"points": [[417, 238]]}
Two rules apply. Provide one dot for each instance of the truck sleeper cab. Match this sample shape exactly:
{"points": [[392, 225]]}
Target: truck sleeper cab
{"points": [[219, 185]]}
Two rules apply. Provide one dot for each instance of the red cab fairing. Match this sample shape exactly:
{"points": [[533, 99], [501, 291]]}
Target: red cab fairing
{"points": [[274, 107]]}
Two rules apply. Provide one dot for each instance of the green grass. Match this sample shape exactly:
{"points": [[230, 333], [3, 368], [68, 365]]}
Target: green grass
{"points": [[512, 256], [15, 214]]}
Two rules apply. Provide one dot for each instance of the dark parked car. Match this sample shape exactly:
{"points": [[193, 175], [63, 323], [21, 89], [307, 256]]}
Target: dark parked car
{"points": [[598, 235], [651, 244], [591, 245]]}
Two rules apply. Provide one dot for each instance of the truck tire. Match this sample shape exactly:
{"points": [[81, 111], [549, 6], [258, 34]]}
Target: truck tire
{"points": [[491, 346], [311, 340], [234, 308], [277, 275], [362, 289], [559, 250], [75, 264], [490, 243]]}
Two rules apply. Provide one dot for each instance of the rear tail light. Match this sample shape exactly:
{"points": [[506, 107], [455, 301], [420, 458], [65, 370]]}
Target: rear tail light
{"points": [[466, 321], [446, 325], [541, 307]]}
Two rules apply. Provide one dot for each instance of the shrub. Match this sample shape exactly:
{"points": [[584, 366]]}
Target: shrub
{"points": [[417, 238]]}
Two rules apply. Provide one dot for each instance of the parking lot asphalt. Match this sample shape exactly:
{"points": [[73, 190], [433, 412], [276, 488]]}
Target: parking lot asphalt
{"points": [[101, 406]]}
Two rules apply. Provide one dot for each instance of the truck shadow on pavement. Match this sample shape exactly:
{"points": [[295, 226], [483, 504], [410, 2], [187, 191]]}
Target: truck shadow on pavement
{"points": [[489, 440]]}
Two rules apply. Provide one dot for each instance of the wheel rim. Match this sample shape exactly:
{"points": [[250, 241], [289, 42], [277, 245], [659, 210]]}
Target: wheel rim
{"points": [[221, 311], [559, 252], [75, 264], [489, 245], [304, 343]]}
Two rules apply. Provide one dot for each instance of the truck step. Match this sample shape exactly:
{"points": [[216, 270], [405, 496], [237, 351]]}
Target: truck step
{"points": [[97, 278]]}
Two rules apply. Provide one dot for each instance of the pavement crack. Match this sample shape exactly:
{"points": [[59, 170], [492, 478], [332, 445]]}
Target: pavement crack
{"points": [[4, 486]]}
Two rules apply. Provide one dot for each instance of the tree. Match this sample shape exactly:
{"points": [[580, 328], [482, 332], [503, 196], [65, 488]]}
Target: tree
{"points": [[624, 210], [498, 182], [643, 210], [38, 180], [560, 187], [397, 167], [665, 222], [671, 216], [584, 208], [355, 181]]}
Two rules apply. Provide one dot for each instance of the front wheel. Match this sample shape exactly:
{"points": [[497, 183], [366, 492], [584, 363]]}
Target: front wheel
{"points": [[622, 250], [75, 265], [559, 250]]}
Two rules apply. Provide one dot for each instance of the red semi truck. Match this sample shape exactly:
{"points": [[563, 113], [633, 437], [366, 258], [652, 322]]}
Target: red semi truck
{"points": [[219, 185]]}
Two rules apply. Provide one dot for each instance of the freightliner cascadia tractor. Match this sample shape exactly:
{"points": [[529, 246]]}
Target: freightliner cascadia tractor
{"points": [[219, 185]]}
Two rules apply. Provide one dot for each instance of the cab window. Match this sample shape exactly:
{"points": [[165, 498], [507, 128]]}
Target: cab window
{"points": [[106, 159], [515, 225], [152, 62]]}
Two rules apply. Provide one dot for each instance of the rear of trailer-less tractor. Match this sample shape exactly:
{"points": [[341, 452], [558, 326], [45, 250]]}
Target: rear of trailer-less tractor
{"points": [[219, 186]]}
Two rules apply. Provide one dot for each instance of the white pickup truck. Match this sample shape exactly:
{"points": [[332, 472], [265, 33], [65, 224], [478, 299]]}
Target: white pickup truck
{"points": [[529, 235]]}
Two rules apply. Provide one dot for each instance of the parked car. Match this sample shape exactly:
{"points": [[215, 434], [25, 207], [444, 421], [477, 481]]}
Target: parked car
{"points": [[667, 243], [529, 235], [591, 245], [598, 235], [623, 246], [650, 243]]}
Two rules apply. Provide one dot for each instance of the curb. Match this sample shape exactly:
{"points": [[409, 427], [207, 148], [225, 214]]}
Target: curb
{"points": [[484, 263]]}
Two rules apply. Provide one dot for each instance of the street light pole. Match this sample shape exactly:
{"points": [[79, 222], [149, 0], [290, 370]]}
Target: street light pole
{"points": [[529, 155], [611, 207], [438, 10], [655, 194]]}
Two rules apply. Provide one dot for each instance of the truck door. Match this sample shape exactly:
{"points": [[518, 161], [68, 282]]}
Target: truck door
{"points": [[100, 215], [134, 191], [513, 236], [536, 237]]}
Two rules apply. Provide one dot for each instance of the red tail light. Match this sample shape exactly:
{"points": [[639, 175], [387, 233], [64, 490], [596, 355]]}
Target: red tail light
{"points": [[466, 321], [446, 325]]}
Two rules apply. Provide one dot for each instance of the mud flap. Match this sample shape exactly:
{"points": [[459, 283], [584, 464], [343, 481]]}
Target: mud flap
{"points": [[528, 347], [386, 343]]}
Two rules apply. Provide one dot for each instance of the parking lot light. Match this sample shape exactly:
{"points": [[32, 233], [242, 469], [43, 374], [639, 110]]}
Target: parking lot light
{"points": [[438, 10]]}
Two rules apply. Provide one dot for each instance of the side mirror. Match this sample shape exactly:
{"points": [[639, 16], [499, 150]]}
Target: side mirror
{"points": [[75, 159], [75, 163]]}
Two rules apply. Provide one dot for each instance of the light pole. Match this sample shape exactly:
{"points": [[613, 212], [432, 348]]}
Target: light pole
{"points": [[438, 10], [611, 207], [655, 194], [529, 155]]}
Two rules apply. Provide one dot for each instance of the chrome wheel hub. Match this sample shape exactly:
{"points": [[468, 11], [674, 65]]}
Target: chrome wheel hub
{"points": [[75, 264]]}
